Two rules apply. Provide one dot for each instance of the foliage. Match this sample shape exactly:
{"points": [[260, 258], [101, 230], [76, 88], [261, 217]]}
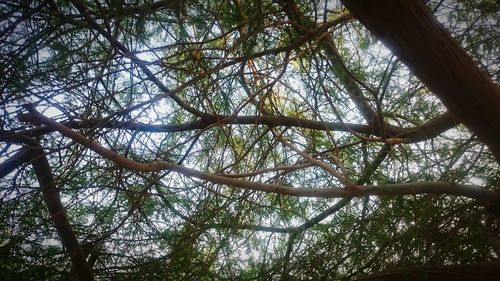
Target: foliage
{"points": [[89, 70]]}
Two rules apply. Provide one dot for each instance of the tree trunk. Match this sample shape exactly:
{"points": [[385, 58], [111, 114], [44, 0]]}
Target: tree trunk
{"points": [[409, 29], [471, 272]]}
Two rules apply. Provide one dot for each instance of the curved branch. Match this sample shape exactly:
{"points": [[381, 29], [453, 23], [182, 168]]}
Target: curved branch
{"points": [[428, 129], [475, 192]]}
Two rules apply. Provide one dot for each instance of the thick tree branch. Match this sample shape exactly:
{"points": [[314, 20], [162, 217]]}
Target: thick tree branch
{"points": [[57, 212], [475, 192], [409, 29], [19, 158], [422, 132]]}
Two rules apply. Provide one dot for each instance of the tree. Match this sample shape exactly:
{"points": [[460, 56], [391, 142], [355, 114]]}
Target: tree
{"points": [[207, 140]]}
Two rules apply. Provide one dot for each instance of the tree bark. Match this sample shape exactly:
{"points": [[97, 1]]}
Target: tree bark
{"points": [[409, 29], [57, 212], [489, 197], [477, 272]]}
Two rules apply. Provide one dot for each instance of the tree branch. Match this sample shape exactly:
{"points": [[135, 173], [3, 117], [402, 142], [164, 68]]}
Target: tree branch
{"points": [[419, 133], [475, 192], [57, 212], [19, 158]]}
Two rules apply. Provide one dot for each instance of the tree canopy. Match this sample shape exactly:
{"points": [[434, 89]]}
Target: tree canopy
{"points": [[249, 140]]}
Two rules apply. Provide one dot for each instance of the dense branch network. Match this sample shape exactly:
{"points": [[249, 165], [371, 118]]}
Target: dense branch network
{"points": [[167, 134]]}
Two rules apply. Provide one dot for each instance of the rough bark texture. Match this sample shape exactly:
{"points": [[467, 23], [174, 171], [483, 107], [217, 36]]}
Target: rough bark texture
{"points": [[409, 29], [477, 272]]}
